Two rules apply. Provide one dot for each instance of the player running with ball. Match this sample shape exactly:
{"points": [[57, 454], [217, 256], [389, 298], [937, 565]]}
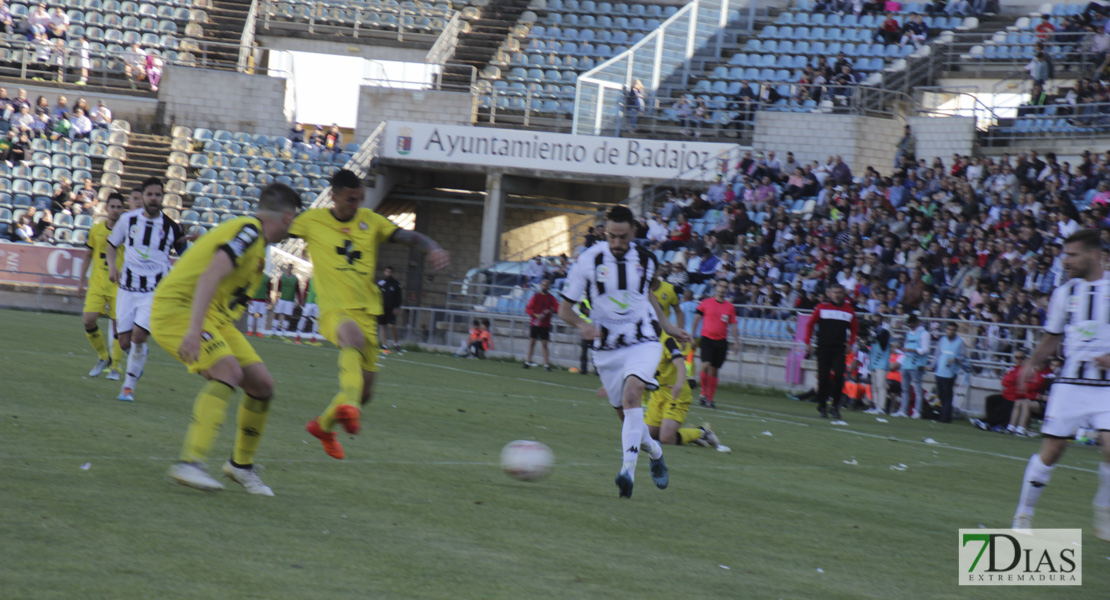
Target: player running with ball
{"points": [[625, 319]]}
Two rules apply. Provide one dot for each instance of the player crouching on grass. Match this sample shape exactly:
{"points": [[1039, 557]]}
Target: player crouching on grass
{"points": [[668, 405], [212, 284]]}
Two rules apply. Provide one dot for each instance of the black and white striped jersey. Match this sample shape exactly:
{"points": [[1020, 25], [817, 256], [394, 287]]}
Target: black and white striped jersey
{"points": [[1080, 311], [619, 293], [146, 244]]}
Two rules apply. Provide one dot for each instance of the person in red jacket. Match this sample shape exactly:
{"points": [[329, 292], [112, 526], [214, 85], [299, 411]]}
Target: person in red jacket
{"points": [[539, 310], [1029, 401], [837, 328]]}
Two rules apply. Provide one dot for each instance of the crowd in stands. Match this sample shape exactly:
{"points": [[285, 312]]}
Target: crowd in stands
{"points": [[319, 144]]}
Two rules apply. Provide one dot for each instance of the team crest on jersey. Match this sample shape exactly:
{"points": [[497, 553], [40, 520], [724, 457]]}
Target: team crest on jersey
{"points": [[204, 335], [363, 226], [602, 272], [1073, 302]]}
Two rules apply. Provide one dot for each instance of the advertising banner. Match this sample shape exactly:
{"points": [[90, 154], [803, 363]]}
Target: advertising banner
{"points": [[48, 265], [583, 154]]}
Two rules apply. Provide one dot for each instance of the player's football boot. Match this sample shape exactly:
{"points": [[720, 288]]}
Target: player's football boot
{"points": [[834, 412], [1102, 523], [327, 438], [823, 411], [1023, 522], [113, 375], [126, 395], [624, 485], [659, 473], [99, 368], [194, 475], [709, 437], [348, 416], [248, 478]]}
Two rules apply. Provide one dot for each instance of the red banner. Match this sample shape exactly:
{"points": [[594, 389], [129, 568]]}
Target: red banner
{"points": [[47, 265]]}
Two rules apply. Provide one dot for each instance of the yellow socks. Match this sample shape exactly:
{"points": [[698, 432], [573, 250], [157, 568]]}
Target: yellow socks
{"points": [[253, 413], [97, 341], [350, 386], [208, 415], [688, 435], [118, 357]]}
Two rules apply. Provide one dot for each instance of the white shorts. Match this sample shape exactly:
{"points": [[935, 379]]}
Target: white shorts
{"points": [[1071, 407], [311, 311], [284, 307], [615, 366], [133, 308], [257, 307]]}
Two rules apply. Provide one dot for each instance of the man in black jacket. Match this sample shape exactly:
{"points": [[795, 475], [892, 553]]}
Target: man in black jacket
{"points": [[391, 303]]}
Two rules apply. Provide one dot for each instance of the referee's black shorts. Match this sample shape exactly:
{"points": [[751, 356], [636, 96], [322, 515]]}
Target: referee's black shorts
{"points": [[714, 351], [539, 332], [388, 317]]}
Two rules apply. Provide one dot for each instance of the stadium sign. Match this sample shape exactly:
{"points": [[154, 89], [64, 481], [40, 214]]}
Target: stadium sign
{"points": [[46, 265], [1021, 557], [588, 155]]}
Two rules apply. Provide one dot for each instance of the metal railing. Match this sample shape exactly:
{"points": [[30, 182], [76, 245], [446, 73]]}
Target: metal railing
{"points": [[377, 75], [444, 48], [659, 55], [246, 40], [951, 102], [386, 20], [968, 53]]}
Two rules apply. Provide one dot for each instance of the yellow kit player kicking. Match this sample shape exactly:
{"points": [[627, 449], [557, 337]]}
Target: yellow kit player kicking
{"points": [[100, 296], [669, 404], [211, 284], [343, 242]]}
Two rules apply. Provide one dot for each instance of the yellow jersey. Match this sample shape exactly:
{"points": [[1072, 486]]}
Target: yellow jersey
{"points": [[667, 374], [97, 243], [242, 240], [668, 298], [344, 256]]}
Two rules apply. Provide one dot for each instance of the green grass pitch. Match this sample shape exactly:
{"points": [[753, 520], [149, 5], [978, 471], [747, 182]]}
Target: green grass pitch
{"points": [[421, 509]]}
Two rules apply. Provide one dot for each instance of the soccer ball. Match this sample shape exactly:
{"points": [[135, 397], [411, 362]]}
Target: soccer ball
{"points": [[526, 460]]}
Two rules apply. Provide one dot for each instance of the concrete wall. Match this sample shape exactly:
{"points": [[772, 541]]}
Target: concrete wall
{"points": [[224, 100], [943, 136], [860, 141], [369, 52], [535, 232], [377, 104]]}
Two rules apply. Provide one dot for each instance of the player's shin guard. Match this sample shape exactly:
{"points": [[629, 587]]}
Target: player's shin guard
{"points": [[632, 435], [350, 386], [1037, 475], [136, 362], [208, 415], [253, 413], [96, 339], [689, 436]]}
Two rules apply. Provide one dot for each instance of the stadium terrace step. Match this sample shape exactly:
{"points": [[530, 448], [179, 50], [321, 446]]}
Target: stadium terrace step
{"points": [[147, 156], [477, 47], [227, 19]]}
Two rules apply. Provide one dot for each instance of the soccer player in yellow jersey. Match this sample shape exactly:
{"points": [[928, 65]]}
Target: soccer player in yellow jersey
{"points": [[343, 243], [100, 296], [193, 318], [668, 300], [667, 408]]}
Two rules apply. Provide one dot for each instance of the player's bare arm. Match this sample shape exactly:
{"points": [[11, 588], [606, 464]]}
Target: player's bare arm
{"points": [[113, 273], [680, 381], [566, 313], [439, 257], [86, 266], [220, 267]]}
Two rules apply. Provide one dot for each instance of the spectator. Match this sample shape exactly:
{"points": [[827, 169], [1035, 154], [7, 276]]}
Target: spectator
{"points": [[101, 116], [947, 364], [84, 61], [59, 24], [684, 112], [907, 148], [333, 141], [634, 103], [58, 53], [533, 271], [24, 231], [1045, 28], [134, 64], [82, 125], [889, 32], [914, 31], [154, 70], [38, 21], [5, 17]]}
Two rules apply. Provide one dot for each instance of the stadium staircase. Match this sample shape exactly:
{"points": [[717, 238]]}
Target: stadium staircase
{"points": [[147, 156], [477, 47], [225, 27], [923, 71]]}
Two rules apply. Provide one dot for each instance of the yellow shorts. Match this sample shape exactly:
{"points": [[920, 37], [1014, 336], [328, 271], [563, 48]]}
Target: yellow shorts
{"points": [[367, 323], [663, 406], [101, 300], [218, 339]]}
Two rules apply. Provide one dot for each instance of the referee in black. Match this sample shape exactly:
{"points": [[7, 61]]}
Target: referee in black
{"points": [[837, 327]]}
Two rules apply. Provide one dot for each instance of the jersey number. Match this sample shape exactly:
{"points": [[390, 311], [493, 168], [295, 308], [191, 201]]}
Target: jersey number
{"points": [[239, 298], [346, 250]]}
